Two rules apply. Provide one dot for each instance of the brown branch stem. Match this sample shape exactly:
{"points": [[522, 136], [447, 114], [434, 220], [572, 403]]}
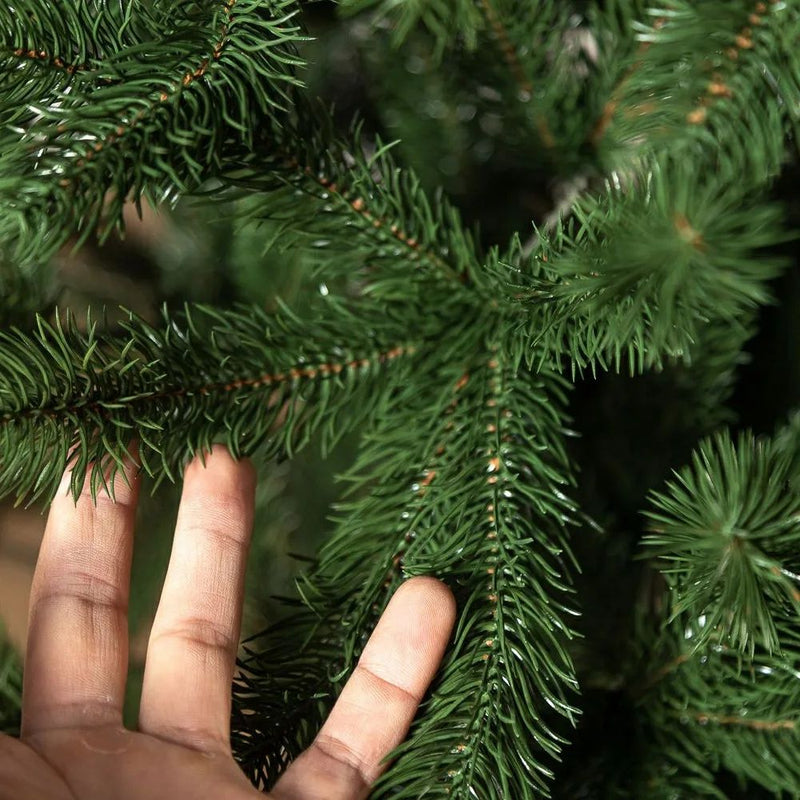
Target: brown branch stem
{"points": [[755, 724], [515, 67], [190, 77], [358, 205], [269, 379], [427, 477], [656, 677], [717, 87], [610, 108], [43, 57]]}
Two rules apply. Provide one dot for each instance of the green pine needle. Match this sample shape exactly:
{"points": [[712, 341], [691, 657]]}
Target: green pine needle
{"points": [[463, 472], [259, 383], [708, 709], [110, 106], [637, 272], [351, 207], [728, 530], [482, 506], [717, 81]]}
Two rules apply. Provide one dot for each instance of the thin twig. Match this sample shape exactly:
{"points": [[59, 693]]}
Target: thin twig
{"points": [[268, 379], [515, 66], [755, 724], [43, 57]]}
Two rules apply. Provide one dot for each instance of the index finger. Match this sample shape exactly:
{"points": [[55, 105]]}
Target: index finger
{"points": [[378, 703]]}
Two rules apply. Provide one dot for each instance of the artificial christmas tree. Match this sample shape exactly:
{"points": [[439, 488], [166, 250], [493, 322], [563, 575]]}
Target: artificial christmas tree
{"points": [[451, 348]]}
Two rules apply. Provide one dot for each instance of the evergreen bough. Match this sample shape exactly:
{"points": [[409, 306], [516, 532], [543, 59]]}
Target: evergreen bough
{"points": [[454, 359]]}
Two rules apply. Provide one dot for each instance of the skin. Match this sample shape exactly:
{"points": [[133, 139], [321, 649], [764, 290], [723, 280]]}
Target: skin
{"points": [[73, 745]]}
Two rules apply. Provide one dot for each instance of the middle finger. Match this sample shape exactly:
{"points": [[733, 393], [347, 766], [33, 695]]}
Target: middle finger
{"points": [[186, 694]]}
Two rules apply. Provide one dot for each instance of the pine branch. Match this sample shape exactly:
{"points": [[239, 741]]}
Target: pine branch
{"points": [[727, 529], [487, 730], [529, 52], [21, 70], [721, 688], [67, 39], [636, 273], [714, 710], [150, 117], [287, 684], [421, 500], [523, 39], [446, 20], [717, 80], [619, 57], [509, 51], [353, 208], [544, 60], [671, 775], [385, 507], [261, 383]]}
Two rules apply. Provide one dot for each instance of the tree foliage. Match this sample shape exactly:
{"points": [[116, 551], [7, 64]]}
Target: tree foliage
{"points": [[451, 359], [443, 490], [81, 397], [704, 708], [727, 528], [103, 104], [721, 676], [707, 81], [351, 206], [639, 270]]}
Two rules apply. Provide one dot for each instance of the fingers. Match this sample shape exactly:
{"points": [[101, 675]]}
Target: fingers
{"points": [[186, 693], [378, 704], [77, 652]]}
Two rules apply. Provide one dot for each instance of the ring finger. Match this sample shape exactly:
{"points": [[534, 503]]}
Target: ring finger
{"points": [[77, 653]]}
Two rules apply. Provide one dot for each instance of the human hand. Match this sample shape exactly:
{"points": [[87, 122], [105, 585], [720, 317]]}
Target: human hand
{"points": [[73, 745]]}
